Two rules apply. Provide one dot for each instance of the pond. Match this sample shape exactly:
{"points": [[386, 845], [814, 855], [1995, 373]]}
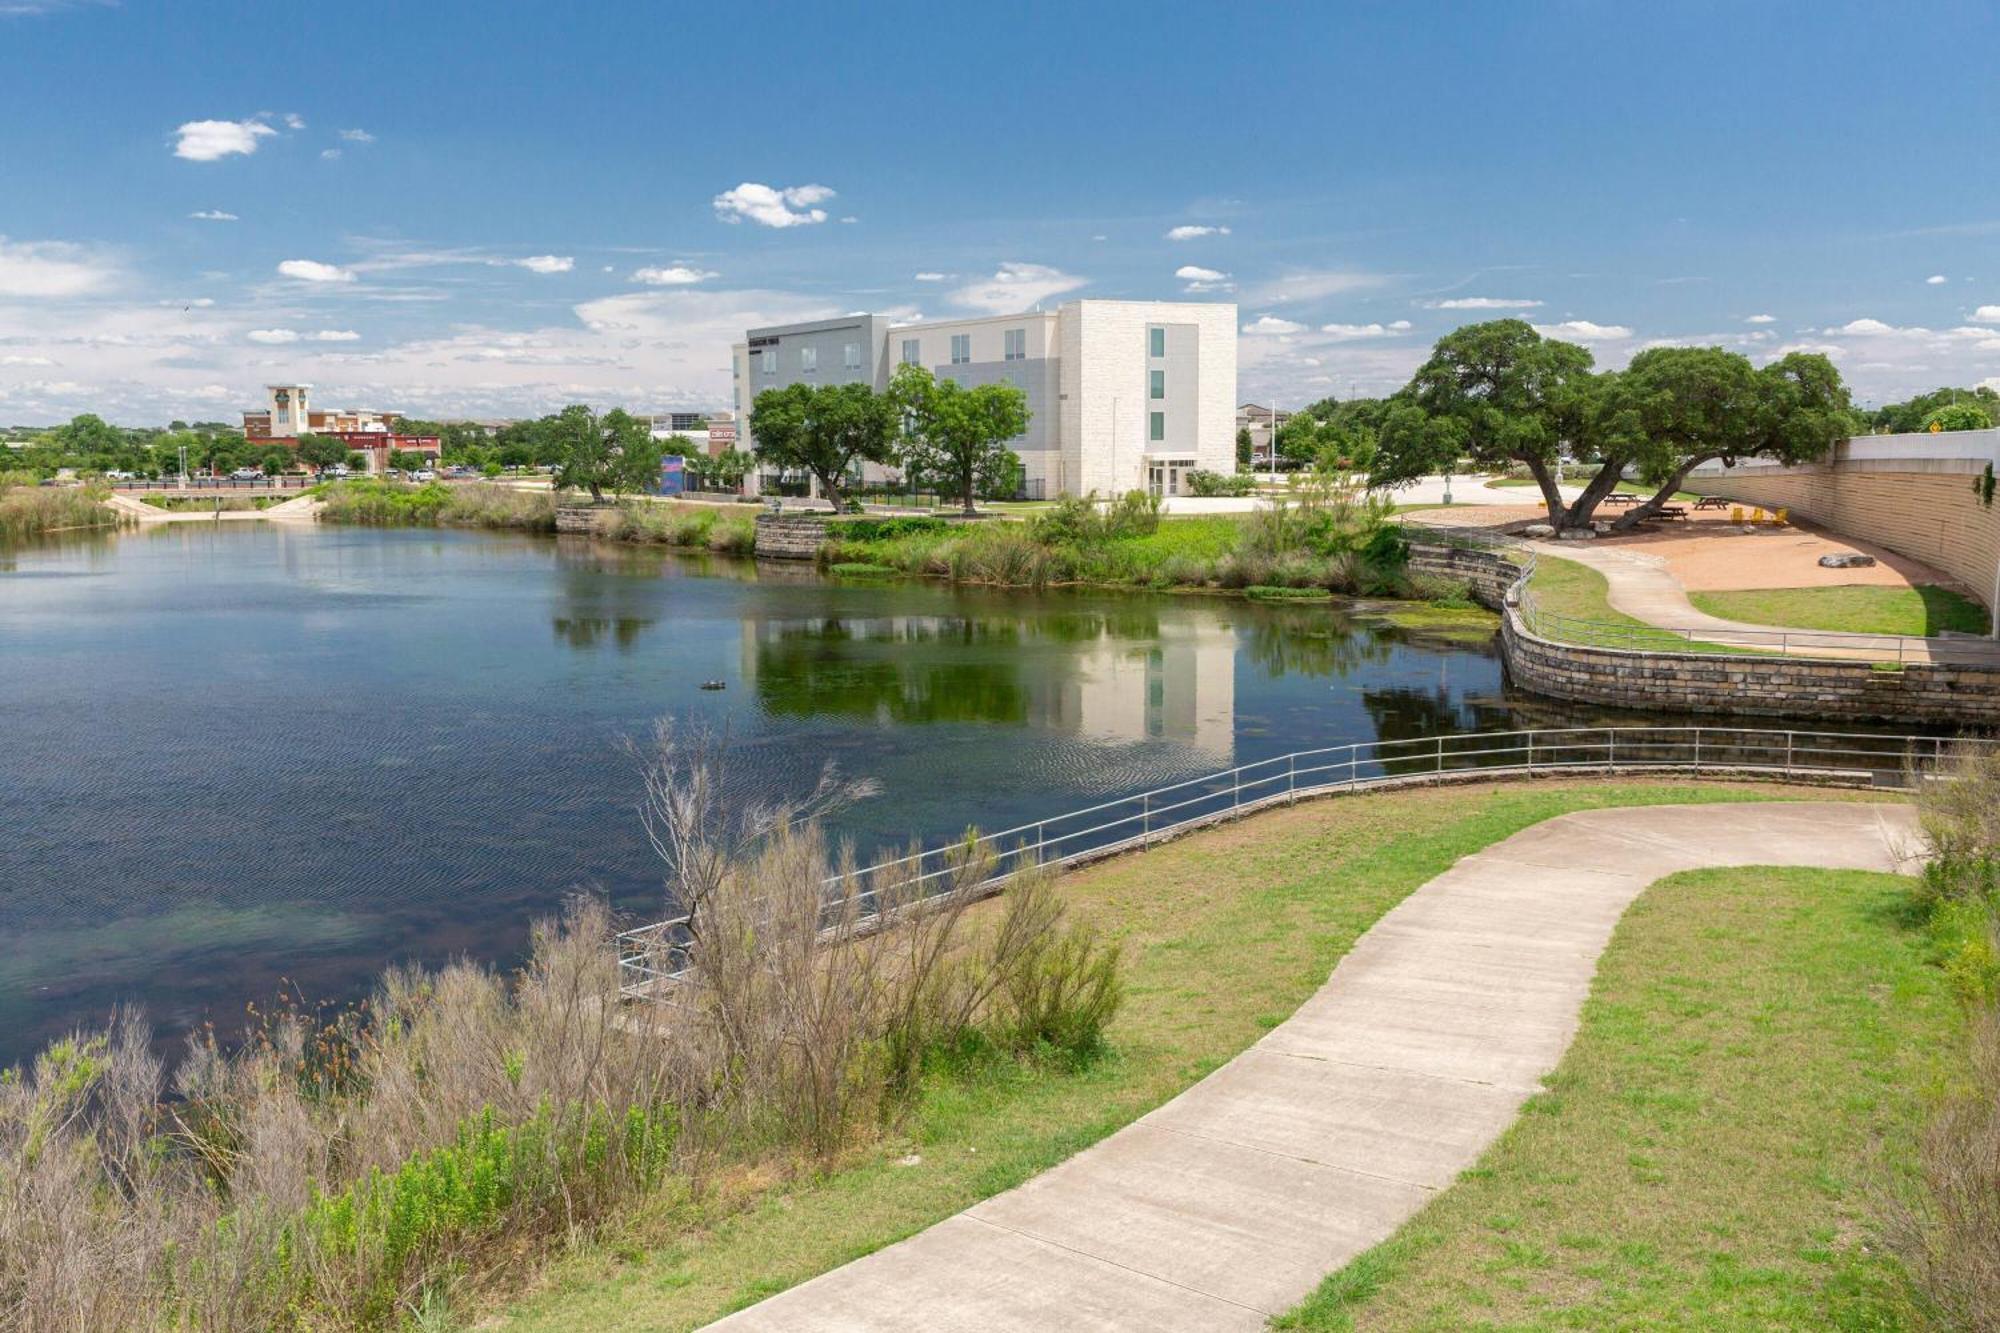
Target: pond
{"points": [[245, 760]]}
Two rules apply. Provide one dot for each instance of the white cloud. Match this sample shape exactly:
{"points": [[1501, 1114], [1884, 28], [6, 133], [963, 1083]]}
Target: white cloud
{"points": [[1189, 233], [1016, 286], [294, 121], [850, 218], [1348, 332], [51, 269], [357, 136], [770, 206], [1311, 285], [1864, 326], [672, 275], [336, 336], [25, 361], [546, 263], [1272, 325], [1760, 319], [272, 337], [207, 140], [1486, 303], [311, 270], [1986, 314], [1935, 280], [935, 277], [329, 154], [213, 215], [1583, 330], [1192, 273]]}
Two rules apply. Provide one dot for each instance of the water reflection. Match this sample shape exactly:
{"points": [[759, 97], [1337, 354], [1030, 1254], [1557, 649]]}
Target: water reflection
{"points": [[1113, 675]]}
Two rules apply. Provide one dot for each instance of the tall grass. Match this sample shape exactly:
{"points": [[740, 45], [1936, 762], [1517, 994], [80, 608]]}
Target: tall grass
{"points": [[1949, 1237], [700, 527], [378, 503], [351, 1172], [28, 511]]}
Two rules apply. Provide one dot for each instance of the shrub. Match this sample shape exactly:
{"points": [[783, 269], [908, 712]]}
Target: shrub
{"points": [[1439, 590], [1273, 593], [883, 529], [29, 511], [861, 568], [1204, 482]]}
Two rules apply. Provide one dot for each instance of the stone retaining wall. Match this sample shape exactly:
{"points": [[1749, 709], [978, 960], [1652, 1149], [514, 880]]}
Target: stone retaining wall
{"points": [[1743, 686], [1488, 573], [585, 518], [790, 536]]}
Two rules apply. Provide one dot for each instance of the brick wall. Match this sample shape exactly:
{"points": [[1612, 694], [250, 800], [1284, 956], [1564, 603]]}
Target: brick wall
{"points": [[789, 536]]}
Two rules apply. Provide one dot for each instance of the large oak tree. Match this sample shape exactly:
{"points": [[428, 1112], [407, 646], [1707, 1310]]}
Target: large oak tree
{"points": [[825, 430], [956, 437]]}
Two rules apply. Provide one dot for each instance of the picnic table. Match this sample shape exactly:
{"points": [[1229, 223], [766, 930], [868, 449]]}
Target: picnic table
{"points": [[1621, 498], [1671, 511], [1712, 502]]}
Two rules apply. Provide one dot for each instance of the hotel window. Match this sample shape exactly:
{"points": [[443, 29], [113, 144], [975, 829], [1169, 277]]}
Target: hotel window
{"points": [[850, 356], [1156, 342], [1156, 425], [809, 360], [1017, 345], [1156, 386], [912, 352], [770, 360], [961, 349]]}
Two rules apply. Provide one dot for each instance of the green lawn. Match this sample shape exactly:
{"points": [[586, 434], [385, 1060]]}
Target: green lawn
{"points": [[1854, 608], [1750, 1075], [1224, 934], [1565, 588]]}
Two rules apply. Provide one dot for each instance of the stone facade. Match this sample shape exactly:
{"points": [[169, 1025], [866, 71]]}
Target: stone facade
{"points": [[1741, 686], [790, 536]]}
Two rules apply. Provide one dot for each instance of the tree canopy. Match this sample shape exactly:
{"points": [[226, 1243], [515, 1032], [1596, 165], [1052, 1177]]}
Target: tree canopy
{"points": [[613, 452], [322, 451], [1971, 415], [824, 430], [956, 437], [1504, 396], [1916, 413]]}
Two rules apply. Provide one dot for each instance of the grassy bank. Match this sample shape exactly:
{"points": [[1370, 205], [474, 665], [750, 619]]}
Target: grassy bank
{"points": [[28, 511], [374, 503], [209, 504], [1223, 935], [1852, 608], [1750, 1072], [700, 527], [1565, 588]]}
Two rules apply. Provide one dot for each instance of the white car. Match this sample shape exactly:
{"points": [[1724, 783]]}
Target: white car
{"points": [[119, 474], [423, 474], [247, 474]]}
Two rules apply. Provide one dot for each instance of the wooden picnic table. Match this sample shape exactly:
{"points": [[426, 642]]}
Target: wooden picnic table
{"points": [[1621, 498], [1671, 511], [1712, 502]]}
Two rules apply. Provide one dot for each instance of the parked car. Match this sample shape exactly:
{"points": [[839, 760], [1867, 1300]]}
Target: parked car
{"points": [[392, 472], [247, 474], [119, 474], [423, 474], [338, 472]]}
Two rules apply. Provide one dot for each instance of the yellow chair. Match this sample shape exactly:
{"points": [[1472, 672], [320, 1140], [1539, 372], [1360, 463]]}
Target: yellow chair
{"points": [[1736, 513], [1782, 517]]}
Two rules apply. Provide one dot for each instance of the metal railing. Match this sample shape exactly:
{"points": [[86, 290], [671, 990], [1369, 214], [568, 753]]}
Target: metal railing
{"points": [[1826, 645], [654, 957]]}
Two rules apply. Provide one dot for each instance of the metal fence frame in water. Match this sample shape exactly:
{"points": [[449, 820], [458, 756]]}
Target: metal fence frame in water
{"points": [[653, 957]]}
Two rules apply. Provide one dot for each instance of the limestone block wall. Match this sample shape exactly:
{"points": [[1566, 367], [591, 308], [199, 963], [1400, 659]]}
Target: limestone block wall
{"points": [[1923, 508], [789, 536], [1487, 573]]}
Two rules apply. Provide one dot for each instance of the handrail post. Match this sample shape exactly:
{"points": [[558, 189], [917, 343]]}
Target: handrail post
{"points": [[1145, 815], [1292, 778], [1697, 751], [1788, 755], [1437, 761], [1611, 750], [1531, 751]]}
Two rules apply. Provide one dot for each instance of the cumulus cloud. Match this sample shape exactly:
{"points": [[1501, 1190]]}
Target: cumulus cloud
{"points": [[1760, 319], [311, 270], [1584, 331], [51, 269], [935, 277], [1935, 279], [546, 263], [1485, 303], [770, 206], [329, 154], [357, 136], [294, 121], [213, 215], [272, 337], [1273, 326], [672, 275], [1199, 279], [1190, 233], [1016, 286], [278, 337], [1986, 314], [207, 140]]}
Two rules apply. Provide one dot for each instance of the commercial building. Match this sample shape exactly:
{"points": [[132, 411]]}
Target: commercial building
{"points": [[1122, 395], [289, 413], [1263, 423]]}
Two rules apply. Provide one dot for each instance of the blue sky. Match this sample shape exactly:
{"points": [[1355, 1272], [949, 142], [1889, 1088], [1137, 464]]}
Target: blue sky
{"points": [[495, 209]]}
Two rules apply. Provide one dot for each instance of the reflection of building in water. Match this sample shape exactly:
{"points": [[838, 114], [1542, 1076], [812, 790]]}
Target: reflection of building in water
{"points": [[1180, 688], [1106, 677]]}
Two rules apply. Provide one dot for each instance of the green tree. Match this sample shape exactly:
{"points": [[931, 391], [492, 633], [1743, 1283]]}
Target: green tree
{"points": [[322, 451], [827, 431], [87, 435], [612, 453], [1967, 415], [955, 437], [274, 459], [1243, 448], [1914, 414]]}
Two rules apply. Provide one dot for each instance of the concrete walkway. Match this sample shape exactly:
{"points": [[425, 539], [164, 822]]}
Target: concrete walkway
{"points": [[1229, 1203], [1641, 586]]}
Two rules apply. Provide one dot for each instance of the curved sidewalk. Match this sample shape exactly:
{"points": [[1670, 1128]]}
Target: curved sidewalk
{"points": [[1229, 1203], [1644, 588]]}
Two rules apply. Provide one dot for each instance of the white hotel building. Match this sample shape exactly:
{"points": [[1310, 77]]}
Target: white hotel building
{"points": [[1123, 395]]}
